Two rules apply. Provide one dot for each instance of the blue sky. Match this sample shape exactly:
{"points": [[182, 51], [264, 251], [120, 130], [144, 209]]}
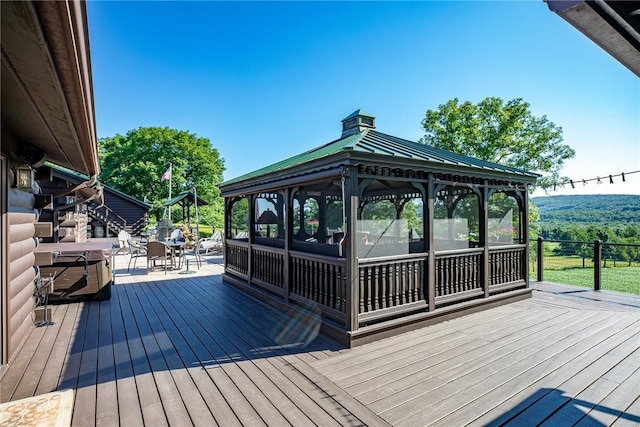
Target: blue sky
{"points": [[264, 81]]}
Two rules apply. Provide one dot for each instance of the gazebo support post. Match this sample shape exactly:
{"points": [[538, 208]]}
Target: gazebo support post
{"points": [[251, 237], [321, 234], [288, 241], [524, 237], [351, 255], [429, 236], [484, 238], [301, 201], [228, 204]]}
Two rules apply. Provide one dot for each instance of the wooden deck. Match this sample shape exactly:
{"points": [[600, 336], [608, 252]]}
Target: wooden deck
{"points": [[191, 350]]}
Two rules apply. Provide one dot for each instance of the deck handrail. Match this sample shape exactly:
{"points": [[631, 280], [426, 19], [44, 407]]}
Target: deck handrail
{"points": [[597, 257], [456, 252]]}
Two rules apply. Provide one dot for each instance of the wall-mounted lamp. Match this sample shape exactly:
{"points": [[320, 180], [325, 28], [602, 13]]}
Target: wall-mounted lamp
{"points": [[24, 177]]}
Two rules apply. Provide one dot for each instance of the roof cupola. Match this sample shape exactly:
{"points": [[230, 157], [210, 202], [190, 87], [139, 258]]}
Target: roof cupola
{"points": [[356, 122]]}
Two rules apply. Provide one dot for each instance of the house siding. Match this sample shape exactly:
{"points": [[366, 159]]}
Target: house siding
{"points": [[20, 276]]}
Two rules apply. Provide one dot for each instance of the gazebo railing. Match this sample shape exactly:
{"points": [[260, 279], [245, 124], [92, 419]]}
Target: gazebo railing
{"points": [[389, 287], [507, 264], [391, 282], [237, 257], [268, 266], [320, 279], [458, 272]]}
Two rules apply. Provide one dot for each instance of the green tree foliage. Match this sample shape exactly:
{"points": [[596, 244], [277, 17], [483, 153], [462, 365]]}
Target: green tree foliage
{"points": [[240, 216], [589, 209], [505, 133], [134, 163]]}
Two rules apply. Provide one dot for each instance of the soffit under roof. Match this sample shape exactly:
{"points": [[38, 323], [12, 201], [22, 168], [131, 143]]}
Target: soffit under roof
{"points": [[612, 25], [47, 94]]}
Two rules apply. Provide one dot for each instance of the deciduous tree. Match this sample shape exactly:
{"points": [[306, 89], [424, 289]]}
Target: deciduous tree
{"points": [[505, 133], [135, 162]]}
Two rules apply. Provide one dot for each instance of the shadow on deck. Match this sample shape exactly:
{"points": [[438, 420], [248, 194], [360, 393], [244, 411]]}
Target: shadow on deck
{"points": [[191, 350]]}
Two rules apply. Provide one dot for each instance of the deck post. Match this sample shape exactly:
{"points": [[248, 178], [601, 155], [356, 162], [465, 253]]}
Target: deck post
{"points": [[597, 265], [351, 255], [430, 287], [540, 256]]}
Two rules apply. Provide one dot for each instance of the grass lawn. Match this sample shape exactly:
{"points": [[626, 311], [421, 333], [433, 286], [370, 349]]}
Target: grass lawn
{"points": [[205, 230], [620, 279]]}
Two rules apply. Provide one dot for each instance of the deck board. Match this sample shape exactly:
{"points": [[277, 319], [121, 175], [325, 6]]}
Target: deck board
{"points": [[533, 361], [237, 345], [14, 377], [518, 395], [146, 386], [458, 352], [191, 350], [129, 409], [65, 316], [33, 370], [106, 393]]}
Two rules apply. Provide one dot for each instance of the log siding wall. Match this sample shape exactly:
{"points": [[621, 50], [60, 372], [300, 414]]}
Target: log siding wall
{"points": [[18, 294]]}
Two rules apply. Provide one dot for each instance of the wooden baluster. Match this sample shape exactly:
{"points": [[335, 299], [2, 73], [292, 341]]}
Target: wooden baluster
{"points": [[323, 281], [363, 305]]}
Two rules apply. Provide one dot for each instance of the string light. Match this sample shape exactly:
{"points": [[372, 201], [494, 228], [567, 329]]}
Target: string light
{"points": [[597, 179]]}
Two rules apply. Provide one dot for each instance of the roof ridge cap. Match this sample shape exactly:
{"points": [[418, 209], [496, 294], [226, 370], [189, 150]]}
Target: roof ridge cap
{"points": [[357, 138]]}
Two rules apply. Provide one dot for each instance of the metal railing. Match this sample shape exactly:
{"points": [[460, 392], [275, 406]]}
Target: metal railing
{"points": [[572, 254], [113, 222]]}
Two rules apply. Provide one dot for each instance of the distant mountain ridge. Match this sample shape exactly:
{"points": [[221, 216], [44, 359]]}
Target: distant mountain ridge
{"points": [[589, 209]]}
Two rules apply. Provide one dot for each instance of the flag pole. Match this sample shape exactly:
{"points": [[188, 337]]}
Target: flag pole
{"points": [[170, 176], [195, 198]]}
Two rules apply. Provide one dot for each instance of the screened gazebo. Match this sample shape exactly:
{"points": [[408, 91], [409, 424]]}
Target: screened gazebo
{"points": [[379, 234]]}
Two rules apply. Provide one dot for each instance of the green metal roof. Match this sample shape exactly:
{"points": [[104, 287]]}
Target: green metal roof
{"points": [[79, 176], [306, 157], [373, 142], [188, 194]]}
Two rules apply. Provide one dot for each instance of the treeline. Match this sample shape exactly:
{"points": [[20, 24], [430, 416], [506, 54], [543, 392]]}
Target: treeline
{"points": [[588, 209], [610, 219]]}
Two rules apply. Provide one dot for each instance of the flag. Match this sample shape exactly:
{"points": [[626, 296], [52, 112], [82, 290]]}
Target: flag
{"points": [[166, 175]]}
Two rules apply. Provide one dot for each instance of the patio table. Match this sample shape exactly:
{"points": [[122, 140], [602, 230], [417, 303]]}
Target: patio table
{"points": [[176, 251]]}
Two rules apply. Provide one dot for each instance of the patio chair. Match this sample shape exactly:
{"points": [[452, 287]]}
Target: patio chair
{"points": [[123, 240], [157, 252], [195, 252], [136, 250], [213, 243], [177, 235]]}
